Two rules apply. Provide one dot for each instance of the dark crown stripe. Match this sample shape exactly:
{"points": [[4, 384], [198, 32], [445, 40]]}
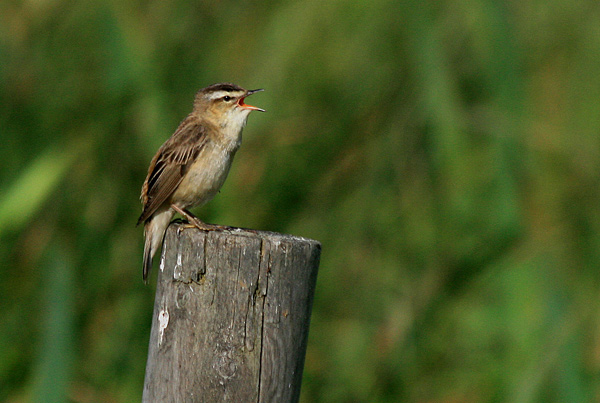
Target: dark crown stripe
{"points": [[228, 87]]}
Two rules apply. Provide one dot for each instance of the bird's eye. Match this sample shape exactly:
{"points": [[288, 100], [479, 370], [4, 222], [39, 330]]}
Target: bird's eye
{"points": [[226, 98]]}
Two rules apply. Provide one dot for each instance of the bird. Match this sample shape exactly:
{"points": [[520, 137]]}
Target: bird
{"points": [[189, 169]]}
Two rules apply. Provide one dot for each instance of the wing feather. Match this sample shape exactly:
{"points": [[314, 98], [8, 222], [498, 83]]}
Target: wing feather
{"points": [[170, 164]]}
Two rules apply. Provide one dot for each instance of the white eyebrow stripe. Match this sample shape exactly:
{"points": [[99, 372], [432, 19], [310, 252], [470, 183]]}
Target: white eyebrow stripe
{"points": [[221, 94]]}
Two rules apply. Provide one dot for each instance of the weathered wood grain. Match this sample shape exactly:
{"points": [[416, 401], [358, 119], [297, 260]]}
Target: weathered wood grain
{"points": [[231, 316]]}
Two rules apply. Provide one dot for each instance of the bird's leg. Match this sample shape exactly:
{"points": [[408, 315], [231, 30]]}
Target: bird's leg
{"points": [[196, 222], [193, 220]]}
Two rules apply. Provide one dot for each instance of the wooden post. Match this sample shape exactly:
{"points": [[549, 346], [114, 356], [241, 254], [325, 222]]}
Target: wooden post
{"points": [[231, 316]]}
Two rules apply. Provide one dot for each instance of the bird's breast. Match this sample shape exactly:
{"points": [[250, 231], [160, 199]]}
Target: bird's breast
{"points": [[204, 177]]}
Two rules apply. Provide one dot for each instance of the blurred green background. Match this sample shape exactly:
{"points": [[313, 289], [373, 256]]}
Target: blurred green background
{"points": [[446, 154]]}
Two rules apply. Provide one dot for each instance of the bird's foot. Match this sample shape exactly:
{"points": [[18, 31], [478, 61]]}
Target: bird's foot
{"points": [[201, 225], [195, 222]]}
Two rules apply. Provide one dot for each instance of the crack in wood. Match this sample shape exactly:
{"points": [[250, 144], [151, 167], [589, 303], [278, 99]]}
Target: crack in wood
{"points": [[264, 245]]}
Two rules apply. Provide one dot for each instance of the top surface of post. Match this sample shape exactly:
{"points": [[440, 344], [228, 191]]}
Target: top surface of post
{"points": [[190, 237]]}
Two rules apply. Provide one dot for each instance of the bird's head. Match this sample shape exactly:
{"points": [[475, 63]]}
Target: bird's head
{"points": [[224, 103]]}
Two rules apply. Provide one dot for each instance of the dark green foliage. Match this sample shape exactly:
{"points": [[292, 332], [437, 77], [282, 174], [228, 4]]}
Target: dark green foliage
{"points": [[446, 154]]}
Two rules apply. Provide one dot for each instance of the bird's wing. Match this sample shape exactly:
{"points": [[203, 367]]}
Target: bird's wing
{"points": [[170, 164]]}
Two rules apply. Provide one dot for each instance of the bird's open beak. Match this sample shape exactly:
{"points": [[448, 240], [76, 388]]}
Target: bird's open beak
{"points": [[246, 106]]}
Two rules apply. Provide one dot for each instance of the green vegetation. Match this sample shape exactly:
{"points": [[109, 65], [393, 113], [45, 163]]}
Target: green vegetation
{"points": [[446, 154]]}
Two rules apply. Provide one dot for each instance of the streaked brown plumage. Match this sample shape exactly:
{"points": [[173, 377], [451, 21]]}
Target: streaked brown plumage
{"points": [[191, 166]]}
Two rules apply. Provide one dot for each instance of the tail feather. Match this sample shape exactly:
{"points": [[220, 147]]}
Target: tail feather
{"points": [[154, 232], [148, 253]]}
